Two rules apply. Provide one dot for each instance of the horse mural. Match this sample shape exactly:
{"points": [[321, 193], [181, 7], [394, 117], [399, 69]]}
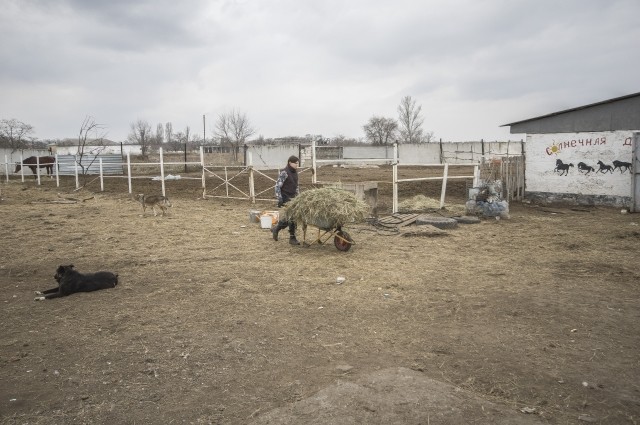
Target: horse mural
{"points": [[32, 162]]}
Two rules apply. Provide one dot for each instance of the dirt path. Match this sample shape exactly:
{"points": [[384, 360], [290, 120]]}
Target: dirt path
{"points": [[214, 322]]}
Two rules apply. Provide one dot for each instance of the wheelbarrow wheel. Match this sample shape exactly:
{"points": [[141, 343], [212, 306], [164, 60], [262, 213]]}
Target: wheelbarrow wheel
{"points": [[342, 241]]}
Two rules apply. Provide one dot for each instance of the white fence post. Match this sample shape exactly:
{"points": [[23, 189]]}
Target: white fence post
{"points": [[252, 191], [57, 173], [394, 204], [101, 177], [204, 187], [129, 171], [314, 174], [476, 176], [162, 172], [445, 174], [22, 168], [75, 163], [38, 168], [226, 180], [6, 167]]}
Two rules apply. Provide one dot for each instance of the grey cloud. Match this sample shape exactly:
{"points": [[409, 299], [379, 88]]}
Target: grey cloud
{"points": [[325, 62]]}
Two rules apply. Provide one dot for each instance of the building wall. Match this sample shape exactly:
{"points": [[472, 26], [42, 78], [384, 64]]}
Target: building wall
{"points": [[110, 149], [275, 156], [366, 151], [265, 157], [543, 180]]}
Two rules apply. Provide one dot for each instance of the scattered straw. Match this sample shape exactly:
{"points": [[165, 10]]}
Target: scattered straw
{"points": [[327, 208], [423, 203]]}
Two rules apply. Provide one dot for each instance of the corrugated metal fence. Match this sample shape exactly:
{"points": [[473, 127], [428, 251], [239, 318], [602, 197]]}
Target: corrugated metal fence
{"points": [[112, 164]]}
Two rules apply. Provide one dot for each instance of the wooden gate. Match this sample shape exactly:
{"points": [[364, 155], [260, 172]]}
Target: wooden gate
{"points": [[510, 170]]}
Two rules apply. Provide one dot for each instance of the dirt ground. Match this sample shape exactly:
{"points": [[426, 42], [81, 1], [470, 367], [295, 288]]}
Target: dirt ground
{"points": [[214, 322]]}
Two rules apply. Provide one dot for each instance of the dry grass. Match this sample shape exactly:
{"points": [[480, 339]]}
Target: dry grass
{"points": [[422, 203]]}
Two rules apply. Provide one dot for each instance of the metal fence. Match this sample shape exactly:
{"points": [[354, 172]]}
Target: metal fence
{"points": [[112, 164]]}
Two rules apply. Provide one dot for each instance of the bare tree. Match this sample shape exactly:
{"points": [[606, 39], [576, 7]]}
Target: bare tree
{"points": [[380, 130], [141, 135], [15, 134], [339, 140], [87, 146], [168, 132], [190, 140], [159, 134], [410, 121], [182, 139], [187, 134], [233, 128], [428, 137]]}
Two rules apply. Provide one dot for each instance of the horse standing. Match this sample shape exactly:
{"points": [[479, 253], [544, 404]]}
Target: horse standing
{"points": [[32, 162]]}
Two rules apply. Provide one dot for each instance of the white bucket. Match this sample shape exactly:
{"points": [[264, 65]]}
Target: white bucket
{"points": [[266, 221], [254, 216]]}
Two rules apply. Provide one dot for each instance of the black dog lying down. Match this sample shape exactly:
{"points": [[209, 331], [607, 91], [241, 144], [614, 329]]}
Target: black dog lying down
{"points": [[70, 282]]}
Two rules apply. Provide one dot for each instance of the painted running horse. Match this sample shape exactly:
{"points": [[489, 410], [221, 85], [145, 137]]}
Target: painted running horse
{"points": [[33, 162]]}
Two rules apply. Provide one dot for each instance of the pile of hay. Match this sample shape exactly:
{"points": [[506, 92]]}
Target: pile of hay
{"points": [[422, 203], [327, 208]]}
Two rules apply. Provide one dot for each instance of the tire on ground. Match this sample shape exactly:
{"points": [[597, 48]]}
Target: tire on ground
{"points": [[437, 221], [467, 219]]}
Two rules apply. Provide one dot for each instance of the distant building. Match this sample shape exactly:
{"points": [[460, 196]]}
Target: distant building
{"points": [[584, 155], [97, 149]]}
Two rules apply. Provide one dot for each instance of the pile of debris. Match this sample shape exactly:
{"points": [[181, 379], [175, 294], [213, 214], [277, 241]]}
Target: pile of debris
{"points": [[486, 200]]}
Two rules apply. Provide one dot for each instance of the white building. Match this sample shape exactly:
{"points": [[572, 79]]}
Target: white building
{"points": [[585, 155]]}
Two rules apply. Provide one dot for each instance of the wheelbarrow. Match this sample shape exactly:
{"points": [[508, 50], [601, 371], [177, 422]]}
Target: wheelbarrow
{"points": [[341, 239]]}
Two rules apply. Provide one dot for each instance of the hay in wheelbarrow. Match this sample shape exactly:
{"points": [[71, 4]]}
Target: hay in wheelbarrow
{"points": [[326, 208]]}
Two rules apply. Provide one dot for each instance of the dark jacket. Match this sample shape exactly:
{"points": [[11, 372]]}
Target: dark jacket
{"points": [[287, 184]]}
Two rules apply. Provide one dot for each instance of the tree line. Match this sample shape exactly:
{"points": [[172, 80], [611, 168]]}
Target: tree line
{"points": [[232, 128]]}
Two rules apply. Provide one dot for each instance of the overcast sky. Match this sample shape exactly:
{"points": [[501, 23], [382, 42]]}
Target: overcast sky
{"points": [[298, 67]]}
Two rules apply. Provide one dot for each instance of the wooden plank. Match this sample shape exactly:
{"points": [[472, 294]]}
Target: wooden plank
{"points": [[397, 220], [408, 221]]}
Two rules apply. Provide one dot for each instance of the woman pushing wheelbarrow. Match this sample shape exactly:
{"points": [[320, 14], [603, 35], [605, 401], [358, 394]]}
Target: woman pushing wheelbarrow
{"points": [[328, 209]]}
